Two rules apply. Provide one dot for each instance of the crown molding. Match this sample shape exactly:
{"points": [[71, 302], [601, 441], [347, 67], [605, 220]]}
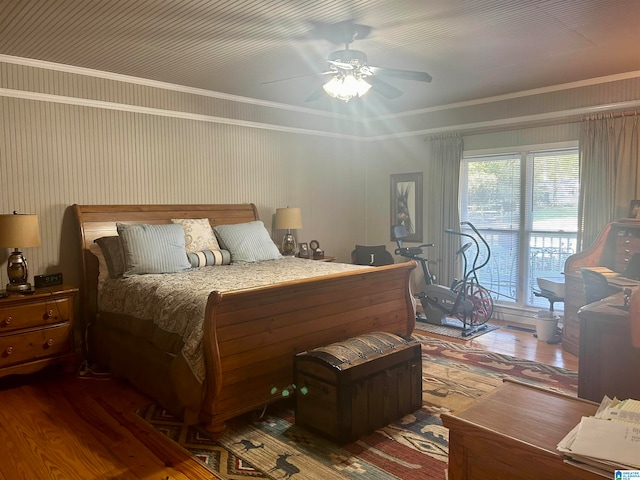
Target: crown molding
{"points": [[89, 72], [47, 97], [512, 122]]}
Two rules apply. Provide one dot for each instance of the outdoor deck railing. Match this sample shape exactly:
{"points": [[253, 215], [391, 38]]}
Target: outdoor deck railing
{"points": [[547, 254]]}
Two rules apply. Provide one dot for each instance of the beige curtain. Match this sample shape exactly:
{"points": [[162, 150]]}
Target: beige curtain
{"points": [[441, 203], [609, 180]]}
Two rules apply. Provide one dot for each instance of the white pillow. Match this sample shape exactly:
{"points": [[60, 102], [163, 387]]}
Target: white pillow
{"points": [[247, 242], [153, 248], [198, 234]]}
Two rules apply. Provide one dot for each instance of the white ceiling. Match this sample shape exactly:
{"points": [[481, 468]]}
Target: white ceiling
{"points": [[472, 49]]}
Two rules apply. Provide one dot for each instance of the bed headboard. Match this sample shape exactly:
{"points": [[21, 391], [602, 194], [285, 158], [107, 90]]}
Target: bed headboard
{"points": [[95, 221]]}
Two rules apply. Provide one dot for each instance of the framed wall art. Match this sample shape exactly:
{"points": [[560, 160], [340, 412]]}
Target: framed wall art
{"points": [[634, 209], [406, 204]]}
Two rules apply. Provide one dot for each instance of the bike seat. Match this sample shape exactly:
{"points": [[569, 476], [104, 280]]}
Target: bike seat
{"points": [[409, 252]]}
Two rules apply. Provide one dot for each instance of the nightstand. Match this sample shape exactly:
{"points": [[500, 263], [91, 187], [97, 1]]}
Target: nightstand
{"points": [[36, 330], [324, 259]]}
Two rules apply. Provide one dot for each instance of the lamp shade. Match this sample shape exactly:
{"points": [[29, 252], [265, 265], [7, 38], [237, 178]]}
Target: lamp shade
{"points": [[19, 231], [288, 218]]}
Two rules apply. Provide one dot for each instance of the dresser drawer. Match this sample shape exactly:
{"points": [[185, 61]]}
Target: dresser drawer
{"points": [[34, 314], [35, 344]]}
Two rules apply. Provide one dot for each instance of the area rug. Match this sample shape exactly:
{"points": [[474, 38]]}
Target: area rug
{"points": [[414, 447], [453, 329]]}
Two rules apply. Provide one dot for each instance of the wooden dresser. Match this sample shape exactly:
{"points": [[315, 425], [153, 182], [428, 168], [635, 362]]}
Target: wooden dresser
{"points": [[613, 249], [36, 331]]}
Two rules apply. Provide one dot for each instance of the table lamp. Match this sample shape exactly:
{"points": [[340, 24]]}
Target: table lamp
{"points": [[288, 219], [18, 231]]}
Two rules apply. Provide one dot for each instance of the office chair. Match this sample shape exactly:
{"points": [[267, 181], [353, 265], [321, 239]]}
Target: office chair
{"points": [[375, 255], [596, 286]]}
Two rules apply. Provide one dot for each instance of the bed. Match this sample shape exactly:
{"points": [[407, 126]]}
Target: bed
{"points": [[249, 335]]}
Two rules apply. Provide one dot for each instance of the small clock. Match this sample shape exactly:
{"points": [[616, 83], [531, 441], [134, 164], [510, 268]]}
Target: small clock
{"points": [[314, 245], [42, 281]]}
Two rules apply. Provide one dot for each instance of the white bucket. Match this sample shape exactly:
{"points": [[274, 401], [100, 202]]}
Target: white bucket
{"points": [[546, 325]]}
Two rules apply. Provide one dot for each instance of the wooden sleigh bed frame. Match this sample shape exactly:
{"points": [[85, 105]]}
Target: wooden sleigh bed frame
{"points": [[250, 335]]}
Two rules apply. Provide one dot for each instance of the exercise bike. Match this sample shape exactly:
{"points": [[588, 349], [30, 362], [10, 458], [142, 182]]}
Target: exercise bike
{"points": [[466, 302]]}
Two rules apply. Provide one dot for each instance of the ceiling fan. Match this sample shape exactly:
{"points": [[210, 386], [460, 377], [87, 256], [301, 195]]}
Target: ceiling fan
{"points": [[350, 74]]}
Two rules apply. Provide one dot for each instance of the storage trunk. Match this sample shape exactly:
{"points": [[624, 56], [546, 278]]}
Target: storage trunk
{"points": [[358, 385]]}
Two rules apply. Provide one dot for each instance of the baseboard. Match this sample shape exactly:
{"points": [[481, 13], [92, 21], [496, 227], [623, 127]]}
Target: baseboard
{"points": [[523, 316], [511, 314]]}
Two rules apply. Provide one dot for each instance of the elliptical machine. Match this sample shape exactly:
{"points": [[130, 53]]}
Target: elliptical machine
{"points": [[466, 302]]}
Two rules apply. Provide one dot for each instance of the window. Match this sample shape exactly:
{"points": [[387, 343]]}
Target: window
{"points": [[526, 206]]}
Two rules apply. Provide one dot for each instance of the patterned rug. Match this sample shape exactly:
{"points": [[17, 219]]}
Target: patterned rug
{"points": [[414, 447]]}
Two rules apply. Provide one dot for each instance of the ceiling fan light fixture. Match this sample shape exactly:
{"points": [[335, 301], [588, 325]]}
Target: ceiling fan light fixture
{"points": [[346, 86]]}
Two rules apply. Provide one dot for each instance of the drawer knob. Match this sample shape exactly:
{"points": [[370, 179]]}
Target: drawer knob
{"points": [[8, 320], [49, 314], [49, 342], [8, 350]]}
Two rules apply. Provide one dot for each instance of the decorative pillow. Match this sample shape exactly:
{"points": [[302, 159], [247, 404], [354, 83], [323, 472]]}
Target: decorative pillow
{"points": [[198, 234], [209, 258], [247, 242], [112, 250], [103, 271], [375, 255], [153, 248]]}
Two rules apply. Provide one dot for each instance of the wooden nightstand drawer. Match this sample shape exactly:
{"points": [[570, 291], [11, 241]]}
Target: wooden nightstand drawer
{"points": [[35, 344], [36, 330], [34, 314]]}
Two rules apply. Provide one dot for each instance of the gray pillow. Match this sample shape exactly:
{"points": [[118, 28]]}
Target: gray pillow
{"points": [[111, 248], [153, 248], [247, 242]]}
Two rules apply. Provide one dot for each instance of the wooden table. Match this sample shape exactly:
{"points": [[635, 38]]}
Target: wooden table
{"points": [[512, 433]]}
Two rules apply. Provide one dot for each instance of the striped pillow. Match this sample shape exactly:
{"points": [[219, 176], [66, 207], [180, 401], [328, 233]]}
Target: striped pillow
{"points": [[209, 258], [153, 248], [247, 242]]}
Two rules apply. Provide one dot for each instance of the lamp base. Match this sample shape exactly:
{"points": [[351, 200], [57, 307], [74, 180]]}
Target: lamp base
{"points": [[18, 287], [289, 245]]}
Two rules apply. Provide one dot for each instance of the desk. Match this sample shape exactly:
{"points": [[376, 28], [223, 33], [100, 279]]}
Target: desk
{"points": [[609, 365], [613, 248], [512, 433]]}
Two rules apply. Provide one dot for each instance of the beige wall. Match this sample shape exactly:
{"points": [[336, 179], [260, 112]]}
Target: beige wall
{"points": [[70, 136], [54, 153]]}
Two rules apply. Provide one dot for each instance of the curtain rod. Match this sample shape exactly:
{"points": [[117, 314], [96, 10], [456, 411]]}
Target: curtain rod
{"points": [[615, 114]]}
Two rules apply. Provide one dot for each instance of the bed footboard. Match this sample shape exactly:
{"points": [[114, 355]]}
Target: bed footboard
{"points": [[251, 336]]}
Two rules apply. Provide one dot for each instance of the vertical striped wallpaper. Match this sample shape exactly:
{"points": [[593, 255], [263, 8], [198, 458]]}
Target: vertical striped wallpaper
{"points": [[54, 155]]}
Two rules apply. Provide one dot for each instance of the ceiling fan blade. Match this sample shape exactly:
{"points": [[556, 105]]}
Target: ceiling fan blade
{"points": [[406, 74], [383, 88], [298, 76], [342, 65], [339, 33], [316, 95]]}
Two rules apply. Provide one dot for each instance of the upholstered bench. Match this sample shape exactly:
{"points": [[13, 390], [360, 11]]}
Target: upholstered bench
{"points": [[350, 388]]}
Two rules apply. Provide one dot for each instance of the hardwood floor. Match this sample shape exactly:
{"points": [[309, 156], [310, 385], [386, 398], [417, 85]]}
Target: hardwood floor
{"points": [[521, 344], [67, 428]]}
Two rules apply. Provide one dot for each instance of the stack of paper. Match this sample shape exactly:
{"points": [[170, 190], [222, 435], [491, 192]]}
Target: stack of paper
{"points": [[608, 441]]}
